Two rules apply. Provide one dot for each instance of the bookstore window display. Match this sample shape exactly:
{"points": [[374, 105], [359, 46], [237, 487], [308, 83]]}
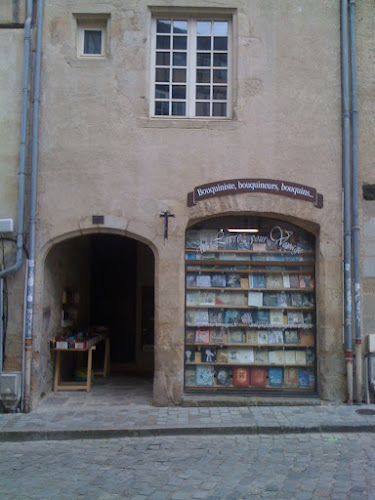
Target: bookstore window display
{"points": [[250, 307]]}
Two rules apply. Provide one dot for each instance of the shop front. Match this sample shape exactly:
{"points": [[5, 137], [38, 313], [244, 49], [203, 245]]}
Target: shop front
{"points": [[250, 310]]}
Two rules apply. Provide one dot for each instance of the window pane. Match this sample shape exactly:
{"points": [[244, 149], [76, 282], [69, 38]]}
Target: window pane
{"points": [[180, 42], [178, 109], [163, 26], [220, 59], [204, 28], [203, 75], [219, 93], [161, 108], [161, 91], [219, 109], [163, 42], [162, 75], [204, 43], [203, 92], [202, 109], [179, 26], [220, 43], [203, 59], [220, 27], [179, 58], [92, 42], [220, 76], [179, 75], [179, 92], [162, 58]]}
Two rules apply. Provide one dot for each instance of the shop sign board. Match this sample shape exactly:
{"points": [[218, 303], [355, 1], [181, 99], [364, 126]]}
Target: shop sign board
{"points": [[269, 186]]}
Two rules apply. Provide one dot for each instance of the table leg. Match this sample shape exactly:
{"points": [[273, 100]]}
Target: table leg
{"points": [[57, 371], [89, 369], [107, 357]]}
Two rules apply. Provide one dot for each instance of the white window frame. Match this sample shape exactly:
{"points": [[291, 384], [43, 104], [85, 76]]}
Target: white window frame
{"points": [[191, 64], [95, 23]]}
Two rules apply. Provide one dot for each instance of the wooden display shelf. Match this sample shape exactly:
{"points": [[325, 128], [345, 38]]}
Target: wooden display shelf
{"points": [[247, 365], [303, 326], [251, 388], [255, 263], [273, 346], [233, 289], [226, 306], [204, 270]]}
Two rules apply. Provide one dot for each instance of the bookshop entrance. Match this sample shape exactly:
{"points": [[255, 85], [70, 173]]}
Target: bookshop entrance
{"points": [[102, 283], [250, 307]]}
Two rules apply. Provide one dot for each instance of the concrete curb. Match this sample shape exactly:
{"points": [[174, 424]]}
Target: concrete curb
{"points": [[59, 435]]}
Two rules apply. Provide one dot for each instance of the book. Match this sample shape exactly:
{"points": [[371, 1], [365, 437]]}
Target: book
{"points": [[218, 280], [310, 356], [244, 242], [283, 299], [297, 299], [290, 377], [263, 337], [258, 281], [286, 281], [190, 376], [301, 357], [231, 316], [275, 337], [295, 318], [208, 355], [306, 338], [222, 356], [307, 300], [259, 247], [189, 355], [305, 377], [290, 357], [252, 337], [206, 298], [275, 376], [223, 376], [205, 375], [263, 316], [231, 298], [198, 356], [274, 281], [258, 377], [190, 336], [204, 280], [192, 240], [216, 316], [291, 337], [217, 335], [208, 240], [270, 299], [255, 299], [233, 280], [278, 357], [235, 336], [294, 281], [276, 317], [261, 355], [191, 279], [244, 283], [248, 317], [308, 318], [306, 281], [241, 377], [191, 256], [240, 355], [201, 316], [202, 336]]}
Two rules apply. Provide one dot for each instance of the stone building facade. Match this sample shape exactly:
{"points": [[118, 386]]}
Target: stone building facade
{"points": [[137, 111]]}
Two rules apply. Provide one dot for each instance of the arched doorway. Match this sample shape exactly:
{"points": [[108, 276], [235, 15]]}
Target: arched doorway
{"points": [[103, 282], [250, 307]]}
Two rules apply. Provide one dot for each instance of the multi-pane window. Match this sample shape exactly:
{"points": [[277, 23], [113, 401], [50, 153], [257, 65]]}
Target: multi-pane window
{"points": [[191, 68]]}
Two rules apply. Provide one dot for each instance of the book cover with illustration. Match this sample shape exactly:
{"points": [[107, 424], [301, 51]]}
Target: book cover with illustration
{"points": [[190, 376], [223, 376], [295, 318], [252, 337], [274, 281], [191, 279], [217, 335], [306, 281], [290, 377], [190, 336], [258, 377], [231, 316], [205, 375], [218, 280], [248, 317], [255, 299], [222, 356], [263, 337], [258, 281], [263, 316], [291, 337], [241, 377], [261, 355], [235, 336], [290, 357], [202, 336], [307, 337], [189, 356], [233, 280], [294, 281], [270, 299], [276, 317], [286, 281], [204, 280], [216, 316], [208, 355], [306, 377], [275, 337], [275, 376], [283, 299]]}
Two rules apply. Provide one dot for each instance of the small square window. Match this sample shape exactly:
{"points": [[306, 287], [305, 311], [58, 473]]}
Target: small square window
{"points": [[91, 36]]}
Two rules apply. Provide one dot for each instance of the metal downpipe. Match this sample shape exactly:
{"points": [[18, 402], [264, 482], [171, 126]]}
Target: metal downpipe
{"points": [[23, 138], [355, 218], [347, 201], [33, 197]]}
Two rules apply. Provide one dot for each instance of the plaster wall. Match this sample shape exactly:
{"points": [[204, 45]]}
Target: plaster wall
{"points": [[12, 11], [101, 153]]}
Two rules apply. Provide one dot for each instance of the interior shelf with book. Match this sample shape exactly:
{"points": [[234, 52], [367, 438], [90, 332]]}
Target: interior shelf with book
{"points": [[250, 309]]}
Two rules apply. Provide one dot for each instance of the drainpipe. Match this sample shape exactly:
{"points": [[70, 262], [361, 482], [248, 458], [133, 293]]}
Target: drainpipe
{"points": [[33, 196], [347, 207], [355, 219], [23, 136]]}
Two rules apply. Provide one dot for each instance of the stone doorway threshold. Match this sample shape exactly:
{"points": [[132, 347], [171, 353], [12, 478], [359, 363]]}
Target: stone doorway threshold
{"points": [[191, 399], [119, 390]]}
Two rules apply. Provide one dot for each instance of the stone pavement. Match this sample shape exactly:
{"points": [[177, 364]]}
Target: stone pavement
{"points": [[115, 409], [250, 467]]}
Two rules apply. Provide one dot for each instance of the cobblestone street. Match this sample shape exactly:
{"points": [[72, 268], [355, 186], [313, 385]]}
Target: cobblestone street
{"points": [[294, 466]]}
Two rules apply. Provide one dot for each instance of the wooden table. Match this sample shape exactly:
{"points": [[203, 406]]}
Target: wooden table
{"points": [[81, 386]]}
